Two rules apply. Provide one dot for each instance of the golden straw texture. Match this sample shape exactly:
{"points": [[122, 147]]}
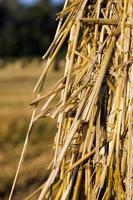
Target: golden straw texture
{"points": [[94, 141]]}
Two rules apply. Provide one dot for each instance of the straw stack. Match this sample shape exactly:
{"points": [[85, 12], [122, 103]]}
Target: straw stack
{"points": [[94, 143]]}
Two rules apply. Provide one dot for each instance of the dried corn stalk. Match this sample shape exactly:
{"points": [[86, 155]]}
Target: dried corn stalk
{"points": [[94, 142]]}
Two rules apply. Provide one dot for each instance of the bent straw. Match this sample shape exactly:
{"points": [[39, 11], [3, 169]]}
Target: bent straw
{"points": [[93, 144]]}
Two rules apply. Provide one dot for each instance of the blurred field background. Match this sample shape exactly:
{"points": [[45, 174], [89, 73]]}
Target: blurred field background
{"points": [[19, 72]]}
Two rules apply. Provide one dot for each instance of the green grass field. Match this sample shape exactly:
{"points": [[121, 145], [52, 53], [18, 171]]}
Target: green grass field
{"points": [[16, 86]]}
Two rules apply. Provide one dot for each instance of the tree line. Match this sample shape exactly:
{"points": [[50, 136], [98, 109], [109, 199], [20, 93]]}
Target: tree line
{"points": [[26, 30]]}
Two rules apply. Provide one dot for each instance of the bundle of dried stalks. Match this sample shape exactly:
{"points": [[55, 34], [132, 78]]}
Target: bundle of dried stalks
{"points": [[94, 142]]}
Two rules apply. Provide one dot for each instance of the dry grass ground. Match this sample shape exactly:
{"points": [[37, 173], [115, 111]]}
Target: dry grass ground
{"points": [[16, 85]]}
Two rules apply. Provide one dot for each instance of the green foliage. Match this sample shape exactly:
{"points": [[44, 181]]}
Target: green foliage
{"points": [[26, 31]]}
